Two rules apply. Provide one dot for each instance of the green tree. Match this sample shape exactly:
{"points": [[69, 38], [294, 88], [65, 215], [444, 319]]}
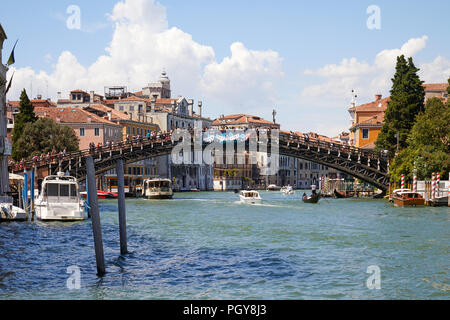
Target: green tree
{"points": [[26, 115], [428, 144], [45, 135], [448, 88], [406, 102]]}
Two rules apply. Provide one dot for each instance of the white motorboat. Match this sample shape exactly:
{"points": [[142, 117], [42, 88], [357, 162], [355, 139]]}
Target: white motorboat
{"points": [[287, 190], [59, 199], [8, 212], [251, 197], [158, 189], [273, 187]]}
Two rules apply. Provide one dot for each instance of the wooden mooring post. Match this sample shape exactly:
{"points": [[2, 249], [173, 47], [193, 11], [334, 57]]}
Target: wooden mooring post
{"points": [[96, 225], [122, 208]]}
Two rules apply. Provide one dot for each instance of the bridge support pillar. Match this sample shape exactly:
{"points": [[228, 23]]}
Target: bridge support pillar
{"points": [[122, 208], [95, 216]]}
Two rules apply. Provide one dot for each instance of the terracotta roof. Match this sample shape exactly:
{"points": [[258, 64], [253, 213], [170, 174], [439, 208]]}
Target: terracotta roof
{"points": [[79, 91], [378, 105], [240, 119], [116, 114], [369, 146], [70, 115], [14, 103], [132, 98], [439, 87], [139, 93], [165, 101]]}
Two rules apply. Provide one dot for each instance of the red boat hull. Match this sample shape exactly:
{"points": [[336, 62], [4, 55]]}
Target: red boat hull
{"points": [[102, 195]]}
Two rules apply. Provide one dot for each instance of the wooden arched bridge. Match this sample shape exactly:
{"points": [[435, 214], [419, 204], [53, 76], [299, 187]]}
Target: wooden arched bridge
{"points": [[365, 165]]}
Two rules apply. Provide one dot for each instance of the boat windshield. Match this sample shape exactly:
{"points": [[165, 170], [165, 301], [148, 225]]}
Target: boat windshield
{"points": [[61, 192], [158, 185]]}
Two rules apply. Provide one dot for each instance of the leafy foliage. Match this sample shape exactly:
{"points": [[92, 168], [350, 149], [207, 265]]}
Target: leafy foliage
{"points": [[44, 136], [407, 100], [429, 145], [25, 116]]}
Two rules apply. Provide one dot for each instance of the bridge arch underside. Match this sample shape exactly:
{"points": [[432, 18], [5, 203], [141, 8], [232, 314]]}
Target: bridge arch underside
{"points": [[353, 165]]}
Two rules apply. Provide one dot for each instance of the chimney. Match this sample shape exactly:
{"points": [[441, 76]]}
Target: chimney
{"points": [[191, 107], [200, 104], [59, 95], [92, 96], [378, 97], [153, 104], [39, 97], [110, 115], [89, 119]]}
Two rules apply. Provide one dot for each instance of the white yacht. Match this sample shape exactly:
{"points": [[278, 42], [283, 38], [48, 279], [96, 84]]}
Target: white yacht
{"points": [[287, 190], [158, 189], [251, 197], [60, 199]]}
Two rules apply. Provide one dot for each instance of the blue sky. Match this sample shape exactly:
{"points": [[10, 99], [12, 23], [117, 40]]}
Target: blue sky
{"points": [[305, 35]]}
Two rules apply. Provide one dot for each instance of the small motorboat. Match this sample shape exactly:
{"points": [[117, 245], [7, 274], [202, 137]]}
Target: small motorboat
{"points": [[287, 190], [396, 191], [102, 195], [251, 197], [408, 198], [273, 187], [314, 198]]}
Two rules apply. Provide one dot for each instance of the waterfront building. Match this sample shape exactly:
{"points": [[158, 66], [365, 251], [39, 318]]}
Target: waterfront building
{"points": [[228, 173], [12, 110], [155, 104], [79, 98], [5, 146], [88, 127], [134, 173], [367, 120]]}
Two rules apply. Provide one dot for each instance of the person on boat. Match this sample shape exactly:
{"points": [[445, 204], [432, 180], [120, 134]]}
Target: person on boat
{"points": [[313, 187], [305, 196]]}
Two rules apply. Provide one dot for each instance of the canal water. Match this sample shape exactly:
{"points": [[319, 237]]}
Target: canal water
{"points": [[210, 246]]}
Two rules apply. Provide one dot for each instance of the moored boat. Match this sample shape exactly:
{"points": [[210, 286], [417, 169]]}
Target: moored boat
{"points": [[59, 199], [251, 197], [408, 198], [342, 195], [158, 189], [102, 195], [273, 187]]}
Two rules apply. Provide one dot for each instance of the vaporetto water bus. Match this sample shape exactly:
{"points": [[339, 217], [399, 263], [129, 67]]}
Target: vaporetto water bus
{"points": [[59, 199], [158, 189]]}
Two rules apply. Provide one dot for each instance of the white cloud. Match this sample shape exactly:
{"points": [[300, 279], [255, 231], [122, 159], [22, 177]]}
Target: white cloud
{"points": [[142, 45], [435, 71]]}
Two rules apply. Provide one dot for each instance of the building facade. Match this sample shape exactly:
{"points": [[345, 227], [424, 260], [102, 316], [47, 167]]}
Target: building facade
{"points": [[5, 146]]}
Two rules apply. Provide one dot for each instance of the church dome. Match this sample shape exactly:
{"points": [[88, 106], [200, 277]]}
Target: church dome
{"points": [[164, 78]]}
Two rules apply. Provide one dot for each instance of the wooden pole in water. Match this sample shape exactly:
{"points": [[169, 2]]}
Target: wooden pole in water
{"points": [[32, 193], [122, 208], [96, 225]]}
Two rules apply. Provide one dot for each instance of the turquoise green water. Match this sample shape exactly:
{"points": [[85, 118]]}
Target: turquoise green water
{"points": [[210, 246]]}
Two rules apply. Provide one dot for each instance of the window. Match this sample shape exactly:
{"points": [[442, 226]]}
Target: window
{"points": [[82, 133], [365, 133], [120, 108], [74, 97], [97, 132], [79, 97], [131, 108]]}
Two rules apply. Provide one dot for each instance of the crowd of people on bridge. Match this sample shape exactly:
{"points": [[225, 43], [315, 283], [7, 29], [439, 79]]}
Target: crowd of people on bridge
{"points": [[164, 136]]}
